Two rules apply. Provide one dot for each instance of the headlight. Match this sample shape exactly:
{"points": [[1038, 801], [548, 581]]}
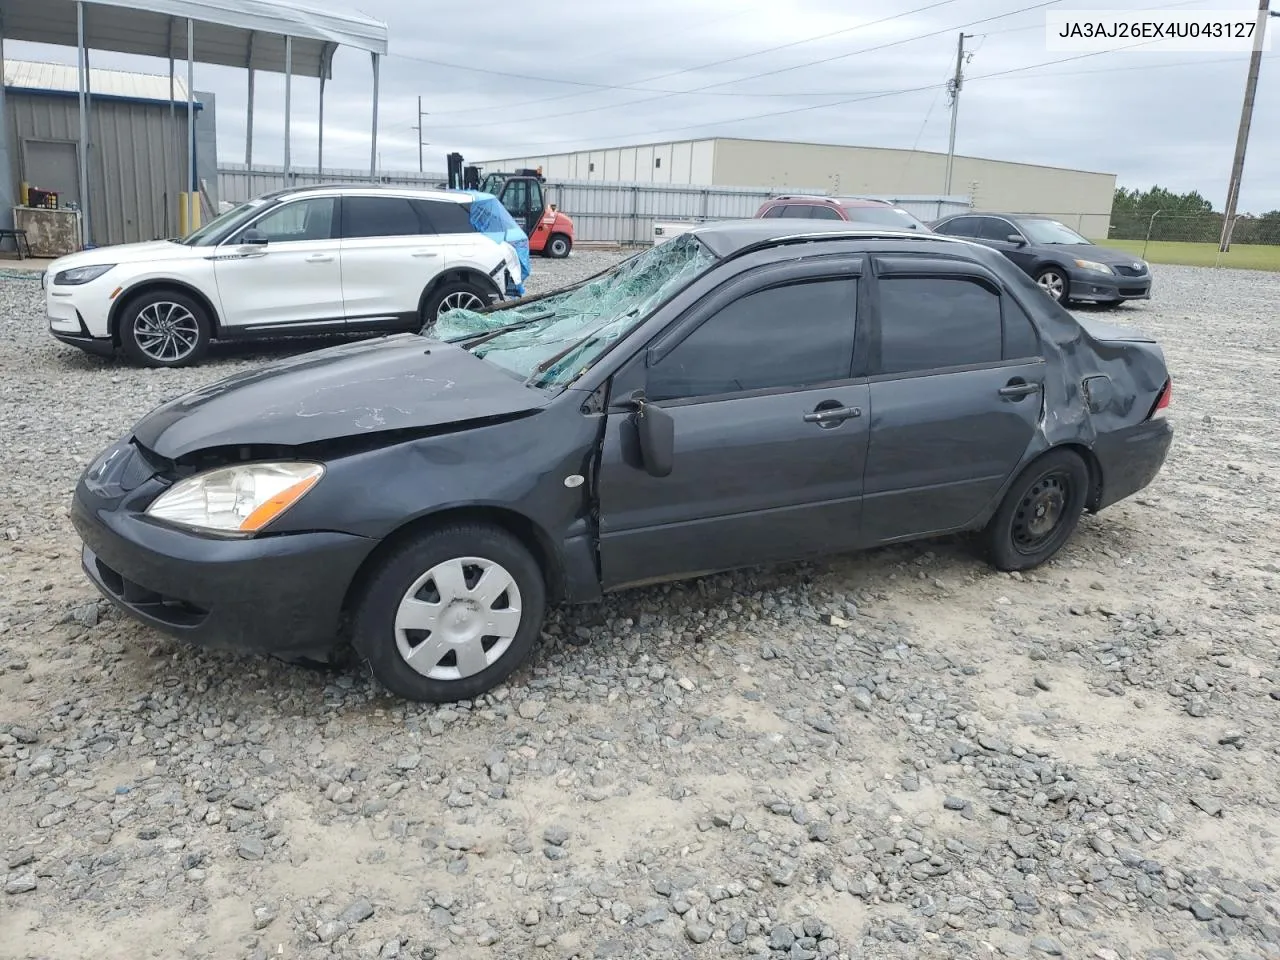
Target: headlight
{"points": [[237, 500], [1094, 266], [78, 275]]}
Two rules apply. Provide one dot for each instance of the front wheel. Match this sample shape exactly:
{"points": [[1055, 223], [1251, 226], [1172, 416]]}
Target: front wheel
{"points": [[1039, 513], [164, 329], [455, 295], [1054, 282], [558, 246], [450, 614]]}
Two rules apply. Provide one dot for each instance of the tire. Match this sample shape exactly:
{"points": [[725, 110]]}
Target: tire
{"points": [[455, 293], [463, 662], [558, 246], [1016, 537], [1053, 280], [164, 328]]}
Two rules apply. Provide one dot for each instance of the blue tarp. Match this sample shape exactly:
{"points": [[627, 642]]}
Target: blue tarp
{"points": [[491, 218]]}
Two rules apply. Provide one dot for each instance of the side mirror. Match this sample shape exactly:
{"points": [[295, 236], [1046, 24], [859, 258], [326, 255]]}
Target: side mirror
{"points": [[657, 434], [253, 238], [1016, 239]]}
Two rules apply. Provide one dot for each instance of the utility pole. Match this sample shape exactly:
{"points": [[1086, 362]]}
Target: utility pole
{"points": [[1242, 136], [953, 87], [419, 129]]}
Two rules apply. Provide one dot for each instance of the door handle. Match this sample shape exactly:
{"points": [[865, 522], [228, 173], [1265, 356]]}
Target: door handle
{"points": [[425, 253], [832, 414], [320, 258], [1017, 388]]}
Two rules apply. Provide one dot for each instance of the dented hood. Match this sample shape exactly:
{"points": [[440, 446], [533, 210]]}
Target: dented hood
{"points": [[393, 383]]}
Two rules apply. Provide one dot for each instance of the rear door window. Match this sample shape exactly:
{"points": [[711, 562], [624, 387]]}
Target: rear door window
{"points": [[927, 323], [364, 217]]}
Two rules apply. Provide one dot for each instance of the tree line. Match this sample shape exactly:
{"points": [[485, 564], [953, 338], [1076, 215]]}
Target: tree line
{"points": [[1185, 216]]}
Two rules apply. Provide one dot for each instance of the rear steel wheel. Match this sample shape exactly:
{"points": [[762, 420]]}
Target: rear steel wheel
{"points": [[1039, 512]]}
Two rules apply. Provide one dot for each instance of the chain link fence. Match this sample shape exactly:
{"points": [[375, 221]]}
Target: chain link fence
{"points": [[1179, 228]]}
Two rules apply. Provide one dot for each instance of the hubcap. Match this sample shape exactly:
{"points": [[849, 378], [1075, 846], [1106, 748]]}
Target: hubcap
{"points": [[1052, 284], [166, 331], [462, 300], [458, 618], [558, 247], [1040, 512]]}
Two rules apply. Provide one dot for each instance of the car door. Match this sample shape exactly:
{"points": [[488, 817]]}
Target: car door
{"points": [[292, 274], [956, 395], [389, 256], [770, 431], [995, 232]]}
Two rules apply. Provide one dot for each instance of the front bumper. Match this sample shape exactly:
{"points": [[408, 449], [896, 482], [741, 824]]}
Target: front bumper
{"points": [[1090, 287], [1131, 458], [79, 315], [279, 595]]}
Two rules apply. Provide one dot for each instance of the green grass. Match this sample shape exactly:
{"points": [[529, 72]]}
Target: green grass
{"points": [[1244, 256]]}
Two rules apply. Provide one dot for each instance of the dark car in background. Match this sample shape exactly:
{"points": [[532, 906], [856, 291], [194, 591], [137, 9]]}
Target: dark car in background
{"points": [[1067, 266], [859, 210], [747, 393]]}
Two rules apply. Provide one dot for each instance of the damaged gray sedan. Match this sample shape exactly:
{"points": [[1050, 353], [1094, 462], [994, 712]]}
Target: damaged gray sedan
{"points": [[742, 395]]}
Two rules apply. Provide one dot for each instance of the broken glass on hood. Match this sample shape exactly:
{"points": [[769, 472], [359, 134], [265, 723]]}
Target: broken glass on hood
{"points": [[553, 340]]}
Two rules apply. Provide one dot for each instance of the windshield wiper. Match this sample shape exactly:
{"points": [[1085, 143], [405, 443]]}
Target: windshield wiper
{"points": [[486, 336]]}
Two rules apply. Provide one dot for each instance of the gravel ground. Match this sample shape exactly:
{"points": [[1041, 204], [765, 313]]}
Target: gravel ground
{"points": [[898, 754]]}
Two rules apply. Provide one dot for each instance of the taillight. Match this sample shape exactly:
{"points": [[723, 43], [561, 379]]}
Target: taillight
{"points": [[1163, 401]]}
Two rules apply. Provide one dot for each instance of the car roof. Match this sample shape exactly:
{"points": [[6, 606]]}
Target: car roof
{"points": [[840, 201], [339, 189], [1015, 217], [727, 237]]}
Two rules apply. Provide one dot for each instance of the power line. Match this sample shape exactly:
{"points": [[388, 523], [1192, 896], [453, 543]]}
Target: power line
{"points": [[661, 76], [858, 99], [768, 73]]}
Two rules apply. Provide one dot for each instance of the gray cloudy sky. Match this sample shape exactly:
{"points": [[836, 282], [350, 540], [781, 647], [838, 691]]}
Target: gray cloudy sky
{"points": [[613, 73]]}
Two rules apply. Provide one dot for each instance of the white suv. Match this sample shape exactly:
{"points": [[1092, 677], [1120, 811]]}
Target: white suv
{"points": [[301, 261]]}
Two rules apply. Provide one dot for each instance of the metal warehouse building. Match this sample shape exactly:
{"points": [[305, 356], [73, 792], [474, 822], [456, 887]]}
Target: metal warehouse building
{"points": [[1080, 198], [137, 146]]}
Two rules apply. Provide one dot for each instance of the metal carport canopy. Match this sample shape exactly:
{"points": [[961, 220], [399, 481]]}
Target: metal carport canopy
{"points": [[223, 34], [280, 36]]}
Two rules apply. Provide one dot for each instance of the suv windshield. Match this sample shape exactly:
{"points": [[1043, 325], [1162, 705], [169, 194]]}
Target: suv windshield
{"points": [[221, 225], [1049, 231], [883, 216], [555, 340]]}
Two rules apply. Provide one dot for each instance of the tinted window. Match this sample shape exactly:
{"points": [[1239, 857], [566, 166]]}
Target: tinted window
{"points": [[993, 228], [536, 203], [812, 211], [790, 336], [934, 322], [1020, 340], [775, 211], [379, 217], [444, 216], [959, 227], [301, 220]]}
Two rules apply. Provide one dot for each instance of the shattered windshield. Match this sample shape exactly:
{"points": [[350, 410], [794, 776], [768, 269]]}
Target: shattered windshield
{"points": [[554, 340]]}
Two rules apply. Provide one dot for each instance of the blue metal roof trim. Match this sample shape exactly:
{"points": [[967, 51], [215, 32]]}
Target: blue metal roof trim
{"points": [[96, 97]]}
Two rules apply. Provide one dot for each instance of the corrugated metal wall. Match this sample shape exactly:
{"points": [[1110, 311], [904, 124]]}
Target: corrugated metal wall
{"points": [[601, 212], [137, 159]]}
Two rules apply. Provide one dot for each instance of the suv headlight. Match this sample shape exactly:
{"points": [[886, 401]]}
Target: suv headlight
{"points": [[236, 500], [1094, 266], [78, 275]]}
